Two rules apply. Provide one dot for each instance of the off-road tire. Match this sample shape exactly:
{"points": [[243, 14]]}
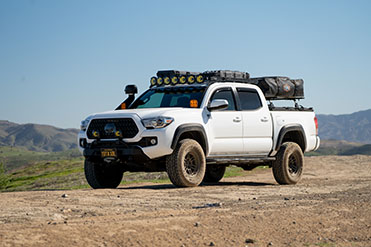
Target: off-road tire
{"points": [[289, 164], [214, 173], [100, 176], [187, 164]]}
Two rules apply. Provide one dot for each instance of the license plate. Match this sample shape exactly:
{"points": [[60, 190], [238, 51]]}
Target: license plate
{"points": [[108, 152]]}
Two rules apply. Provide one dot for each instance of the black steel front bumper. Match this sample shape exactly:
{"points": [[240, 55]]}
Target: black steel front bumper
{"points": [[124, 151]]}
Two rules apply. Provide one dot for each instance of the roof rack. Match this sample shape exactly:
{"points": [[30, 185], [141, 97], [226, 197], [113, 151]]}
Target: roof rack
{"points": [[273, 87]]}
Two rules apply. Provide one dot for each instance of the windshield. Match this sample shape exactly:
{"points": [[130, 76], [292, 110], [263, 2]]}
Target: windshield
{"points": [[188, 97]]}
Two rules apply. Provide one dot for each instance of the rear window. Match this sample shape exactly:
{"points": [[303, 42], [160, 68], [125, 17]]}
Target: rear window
{"points": [[249, 99]]}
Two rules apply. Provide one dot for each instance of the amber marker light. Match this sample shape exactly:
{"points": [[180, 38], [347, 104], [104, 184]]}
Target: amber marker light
{"points": [[193, 103]]}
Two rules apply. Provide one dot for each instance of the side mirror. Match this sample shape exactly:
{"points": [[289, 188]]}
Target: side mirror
{"points": [[218, 104], [131, 89]]}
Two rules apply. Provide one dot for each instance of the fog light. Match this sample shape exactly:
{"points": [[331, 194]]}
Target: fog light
{"points": [[153, 141], [83, 142], [95, 134], [118, 133]]}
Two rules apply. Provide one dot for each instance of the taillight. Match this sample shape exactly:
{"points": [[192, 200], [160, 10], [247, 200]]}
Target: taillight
{"points": [[316, 123]]}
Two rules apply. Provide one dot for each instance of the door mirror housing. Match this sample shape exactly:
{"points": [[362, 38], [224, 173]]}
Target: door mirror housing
{"points": [[218, 104]]}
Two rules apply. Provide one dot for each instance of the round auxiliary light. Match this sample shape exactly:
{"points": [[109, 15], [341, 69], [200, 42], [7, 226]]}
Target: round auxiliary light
{"points": [[118, 133], [160, 81], [167, 80], [200, 79], [182, 79], [174, 80], [95, 134], [153, 81], [191, 79]]}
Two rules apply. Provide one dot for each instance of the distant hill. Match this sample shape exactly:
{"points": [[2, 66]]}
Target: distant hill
{"points": [[355, 127], [37, 137], [340, 147]]}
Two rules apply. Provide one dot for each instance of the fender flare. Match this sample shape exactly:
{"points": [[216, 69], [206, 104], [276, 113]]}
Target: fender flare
{"points": [[190, 128], [290, 128]]}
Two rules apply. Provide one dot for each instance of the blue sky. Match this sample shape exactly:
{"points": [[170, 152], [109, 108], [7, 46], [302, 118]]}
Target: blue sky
{"points": [[62, 60]]}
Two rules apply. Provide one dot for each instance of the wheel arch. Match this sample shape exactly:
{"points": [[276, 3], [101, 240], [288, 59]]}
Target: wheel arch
{"points": [[293, 133], [191, 131]]}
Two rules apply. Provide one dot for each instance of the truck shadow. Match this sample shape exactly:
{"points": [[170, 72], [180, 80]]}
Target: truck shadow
{"points": [[170, 186]]}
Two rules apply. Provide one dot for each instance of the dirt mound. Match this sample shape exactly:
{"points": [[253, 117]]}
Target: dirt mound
{"points": [[331, 206]]}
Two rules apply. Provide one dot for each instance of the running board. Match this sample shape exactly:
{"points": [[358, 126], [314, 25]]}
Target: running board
{"points": [[237, 159]]}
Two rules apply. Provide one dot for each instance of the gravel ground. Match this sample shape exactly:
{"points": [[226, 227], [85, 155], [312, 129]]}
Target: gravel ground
{"points": [[331, 206]]}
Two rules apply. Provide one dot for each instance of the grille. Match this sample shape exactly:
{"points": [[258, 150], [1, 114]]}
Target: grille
{"points": [[127, 127]]}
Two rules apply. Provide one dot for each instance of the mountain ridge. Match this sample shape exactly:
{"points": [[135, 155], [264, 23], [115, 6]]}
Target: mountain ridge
{"points": [[37, 137], [353, 127]]}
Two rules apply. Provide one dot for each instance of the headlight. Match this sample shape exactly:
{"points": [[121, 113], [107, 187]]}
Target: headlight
{"points": [[157, 122], [84, 124]]}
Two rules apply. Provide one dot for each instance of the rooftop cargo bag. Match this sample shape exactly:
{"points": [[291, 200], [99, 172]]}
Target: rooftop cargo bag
{"points": [[280, 87]]}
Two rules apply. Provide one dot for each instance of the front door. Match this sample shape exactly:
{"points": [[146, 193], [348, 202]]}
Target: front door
{"points": [[225, 126]]}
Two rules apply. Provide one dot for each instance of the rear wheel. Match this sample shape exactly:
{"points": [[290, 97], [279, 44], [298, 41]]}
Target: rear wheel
{"points": [[187, 164], [289, 163], [214, 173], [100, 175]]}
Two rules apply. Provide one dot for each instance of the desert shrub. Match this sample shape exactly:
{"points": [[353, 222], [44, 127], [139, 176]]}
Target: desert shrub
{"points": [[4, 178]]}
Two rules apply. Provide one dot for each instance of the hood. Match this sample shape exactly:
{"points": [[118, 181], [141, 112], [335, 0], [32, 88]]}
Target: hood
{"points": [[142, 113]]}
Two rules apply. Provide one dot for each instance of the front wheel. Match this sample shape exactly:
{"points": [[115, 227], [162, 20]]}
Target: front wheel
{"points": [[214, 173], [187, 164], [100, 175], [289, 163]]}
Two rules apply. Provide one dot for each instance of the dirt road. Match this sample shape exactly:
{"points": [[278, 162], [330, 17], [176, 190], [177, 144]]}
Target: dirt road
{"points": [[330, 207]]}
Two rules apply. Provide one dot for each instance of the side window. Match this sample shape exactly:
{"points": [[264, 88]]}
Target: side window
{"points": [[227, 94], [249, 99]]}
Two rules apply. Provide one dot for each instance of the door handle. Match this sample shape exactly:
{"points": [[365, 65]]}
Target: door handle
{"points": [[264, 119], [237, 120]]}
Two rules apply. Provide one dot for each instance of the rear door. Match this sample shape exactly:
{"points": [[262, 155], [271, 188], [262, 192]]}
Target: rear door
{"points": [[225, 125], [257, 122]]}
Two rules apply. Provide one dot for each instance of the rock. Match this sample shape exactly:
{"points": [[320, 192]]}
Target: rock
{"points": [[64, 196], [197, 224], [286, 199], [249, 241], [239, 199], [270, 244], [211, 244]]}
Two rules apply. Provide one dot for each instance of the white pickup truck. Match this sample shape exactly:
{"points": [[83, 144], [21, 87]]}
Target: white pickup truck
{"points": [[193, 126]]}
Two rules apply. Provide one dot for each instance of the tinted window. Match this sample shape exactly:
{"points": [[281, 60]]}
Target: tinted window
{"points": [[249, 99], [227, 95]]}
